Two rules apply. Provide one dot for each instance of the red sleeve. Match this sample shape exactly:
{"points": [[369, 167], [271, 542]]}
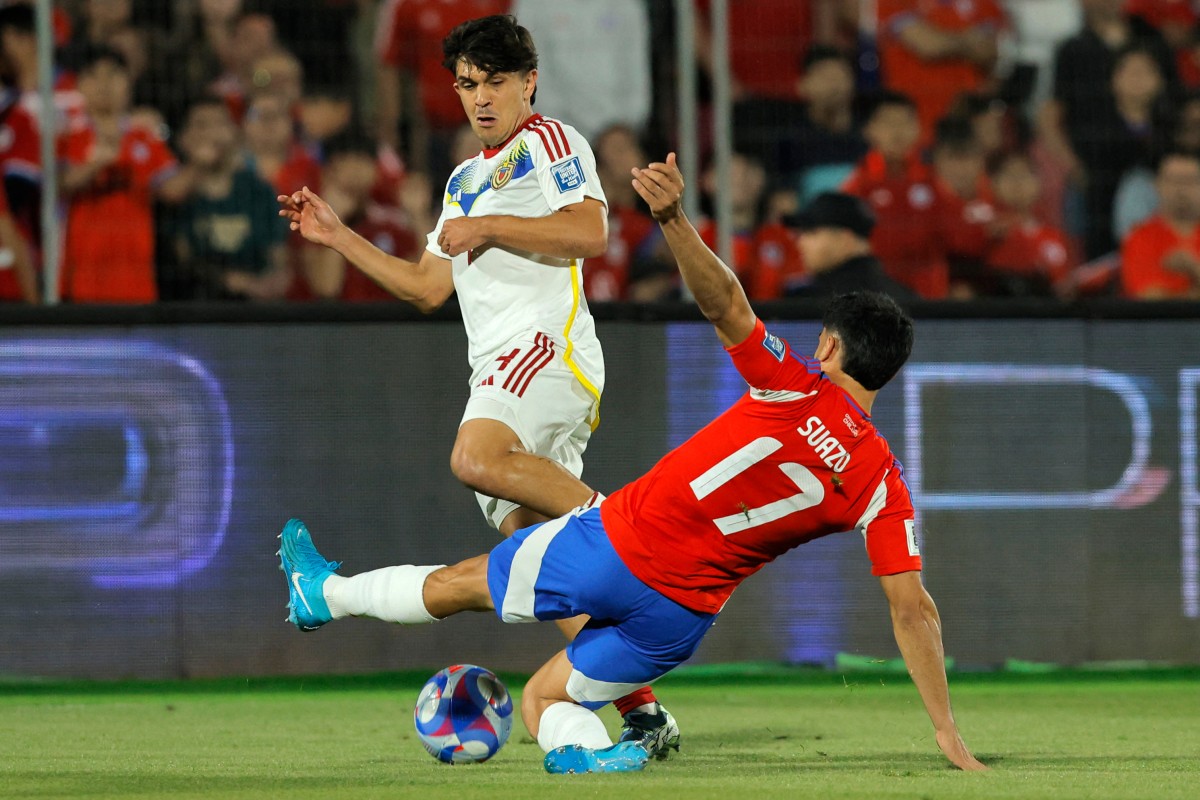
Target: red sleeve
{"points": [[74, 146], [893, 13], [389, 37], [768, 363], [1140, 261], [888, 527], [161, 161], [4, 209]]}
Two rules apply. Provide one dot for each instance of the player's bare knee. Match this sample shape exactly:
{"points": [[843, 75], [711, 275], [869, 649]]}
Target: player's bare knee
{"points": [[474, 468], [532, 706]]}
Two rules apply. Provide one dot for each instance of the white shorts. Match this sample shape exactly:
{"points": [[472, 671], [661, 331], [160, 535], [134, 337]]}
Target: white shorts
{"points": [[532, 390]]}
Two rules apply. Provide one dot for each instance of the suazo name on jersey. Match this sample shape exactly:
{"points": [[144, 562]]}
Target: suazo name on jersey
{"points": [[829, 449]]}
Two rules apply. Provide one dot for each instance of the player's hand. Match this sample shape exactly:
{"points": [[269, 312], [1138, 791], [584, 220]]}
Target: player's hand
{"points": [[311, 216], [956, 750], [661, 186], [460, 235]]}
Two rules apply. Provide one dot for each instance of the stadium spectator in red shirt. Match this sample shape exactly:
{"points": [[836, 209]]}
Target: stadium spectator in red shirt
{"points": [[634, 266], [968, 213], [1027, 257], [411, 77], [747, 185], [795, 459], [272, 147], [902, 192], [934, 50], [21, 171], [1161, 257], [113, 172], [776, 267], [349, 175]]}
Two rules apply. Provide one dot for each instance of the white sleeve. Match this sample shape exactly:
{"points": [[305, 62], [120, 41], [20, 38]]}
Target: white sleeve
{"points": [[566, 168]]}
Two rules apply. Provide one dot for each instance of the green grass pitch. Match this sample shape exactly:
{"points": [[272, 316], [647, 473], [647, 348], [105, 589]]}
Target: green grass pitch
{"points": [[795, 735]]}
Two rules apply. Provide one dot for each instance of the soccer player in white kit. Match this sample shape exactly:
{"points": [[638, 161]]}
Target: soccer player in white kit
{"points": [[517, 220]]}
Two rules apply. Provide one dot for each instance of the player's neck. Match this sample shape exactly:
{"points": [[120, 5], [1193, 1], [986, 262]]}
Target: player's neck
{"points": [[865, 398]]}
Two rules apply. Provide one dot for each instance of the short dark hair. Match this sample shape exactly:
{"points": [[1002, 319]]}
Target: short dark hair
{"points": [[18, 16], [888, 97], [493, 44], [876, 335], [823, 52], [955, 135], [96, 54], [350, 142]]}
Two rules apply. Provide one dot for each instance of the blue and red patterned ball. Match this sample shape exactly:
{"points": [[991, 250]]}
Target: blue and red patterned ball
{"points": [[464, 714]]}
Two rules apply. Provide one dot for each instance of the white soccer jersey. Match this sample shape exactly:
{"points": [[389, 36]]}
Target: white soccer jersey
{"points": [[502, 292]]}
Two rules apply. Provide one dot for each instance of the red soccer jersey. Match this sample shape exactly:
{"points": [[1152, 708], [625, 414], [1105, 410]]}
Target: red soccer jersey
{"points": [[109, 252], [776, 265], [410, 34], [1028, 247], [1143, 254], [932, 84], [767, 42], [793, 460], [607, 278], [909, 236]]}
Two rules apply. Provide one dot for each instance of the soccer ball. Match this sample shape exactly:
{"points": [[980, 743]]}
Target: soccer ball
{"points": [[464, 714]]}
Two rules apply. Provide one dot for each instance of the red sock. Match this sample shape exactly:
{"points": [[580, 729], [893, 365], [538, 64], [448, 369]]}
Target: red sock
{"points": [[634, 699]]}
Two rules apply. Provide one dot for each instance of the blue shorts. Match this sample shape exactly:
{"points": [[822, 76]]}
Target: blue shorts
{"points": [[566, 567]]}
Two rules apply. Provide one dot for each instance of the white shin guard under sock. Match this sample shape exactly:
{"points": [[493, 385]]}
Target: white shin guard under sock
{"points": [[392, 594], [567, 723]]}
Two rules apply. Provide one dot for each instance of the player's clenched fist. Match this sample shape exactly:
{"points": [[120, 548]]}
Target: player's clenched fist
{"points": [[311, 216], [460, 235], [661, 186]]}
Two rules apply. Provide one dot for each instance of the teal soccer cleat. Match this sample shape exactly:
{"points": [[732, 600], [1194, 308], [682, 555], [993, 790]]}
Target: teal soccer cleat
{"points": [[575, 759], [305, 570]]}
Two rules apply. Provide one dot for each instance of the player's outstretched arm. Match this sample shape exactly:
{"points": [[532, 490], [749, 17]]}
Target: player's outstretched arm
{"points": [[426, 284], [716, 288], [918, 630]]}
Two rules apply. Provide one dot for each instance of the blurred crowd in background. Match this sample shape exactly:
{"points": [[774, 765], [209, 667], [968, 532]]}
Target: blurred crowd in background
{"points": [[1007, 148]]}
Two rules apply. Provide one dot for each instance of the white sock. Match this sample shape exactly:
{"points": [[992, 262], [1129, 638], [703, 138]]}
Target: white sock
{"points": [[568, 723], [392, 594]]}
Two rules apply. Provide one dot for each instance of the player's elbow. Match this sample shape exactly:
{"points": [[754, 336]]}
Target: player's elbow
{"points": [[594, 244]]}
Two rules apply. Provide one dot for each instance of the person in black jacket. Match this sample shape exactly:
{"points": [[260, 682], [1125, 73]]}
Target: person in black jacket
{"points": [[835, 231]]}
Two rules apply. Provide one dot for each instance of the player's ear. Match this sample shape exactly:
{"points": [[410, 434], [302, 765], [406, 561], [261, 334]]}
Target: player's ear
{"points": [[531, 84], [828, 347]]}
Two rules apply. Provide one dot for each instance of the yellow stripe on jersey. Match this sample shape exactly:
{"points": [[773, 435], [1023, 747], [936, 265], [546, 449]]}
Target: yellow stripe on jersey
{"points": [[576, 293]]}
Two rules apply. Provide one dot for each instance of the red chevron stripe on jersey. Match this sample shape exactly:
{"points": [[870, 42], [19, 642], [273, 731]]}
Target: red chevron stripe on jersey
{"points": [[553, 137], [532, 362], [547, 140]]}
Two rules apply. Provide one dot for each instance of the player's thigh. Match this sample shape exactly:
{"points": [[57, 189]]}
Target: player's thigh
{"points": [[554, 570], [611, 658]]}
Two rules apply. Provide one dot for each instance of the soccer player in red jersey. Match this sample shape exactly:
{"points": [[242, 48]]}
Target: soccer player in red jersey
{"points": [[796, 458]]}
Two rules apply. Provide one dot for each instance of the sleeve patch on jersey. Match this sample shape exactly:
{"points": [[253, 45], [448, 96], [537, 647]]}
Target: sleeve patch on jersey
{"points": [[911, 534], [775, 346], [568, 174]]}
